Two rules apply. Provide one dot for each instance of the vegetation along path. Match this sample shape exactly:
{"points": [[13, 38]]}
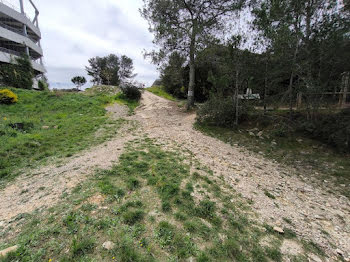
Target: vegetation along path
{"points": [[241, 188]]}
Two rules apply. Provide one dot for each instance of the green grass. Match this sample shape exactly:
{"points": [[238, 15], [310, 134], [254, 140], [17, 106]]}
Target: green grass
{"points": [[294, 150], [159, 91], [49, 124], [131, 104], [135, 221]]}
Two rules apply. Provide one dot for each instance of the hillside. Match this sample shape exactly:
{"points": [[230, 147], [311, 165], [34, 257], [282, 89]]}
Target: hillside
{"points": [[159, 190]]}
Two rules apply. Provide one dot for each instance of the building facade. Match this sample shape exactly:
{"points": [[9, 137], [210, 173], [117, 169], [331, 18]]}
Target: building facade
{"points": [[20, 35]]}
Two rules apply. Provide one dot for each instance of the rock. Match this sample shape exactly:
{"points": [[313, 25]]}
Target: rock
{"points": [[339, 252], [278, 230], [4, 253], [55, 127], [260, 134], [314, 258], [273, 143], [251, 134], [45, 127], [108, 245]]}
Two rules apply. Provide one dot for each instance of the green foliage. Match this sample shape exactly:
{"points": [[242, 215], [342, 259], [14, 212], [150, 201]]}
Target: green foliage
{"points": [[133, 216], [79, 81], [20, 74], [110, 70], [333, 129], [81, 246], [221, 111], [7, 97], [43, 85], [159, 91], [132, 104], [70, 122], [131, 91]]}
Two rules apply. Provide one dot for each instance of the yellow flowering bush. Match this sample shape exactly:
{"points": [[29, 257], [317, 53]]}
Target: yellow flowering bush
{"points": [[7, 97]]}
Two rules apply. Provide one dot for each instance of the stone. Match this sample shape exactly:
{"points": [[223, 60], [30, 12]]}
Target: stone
{"points": [[45, 127], [260, 134], [5, 252], [278, 230], [314, 258], [339, 252], [273, 143], [108, 245], [251, 134], [55, 127]]}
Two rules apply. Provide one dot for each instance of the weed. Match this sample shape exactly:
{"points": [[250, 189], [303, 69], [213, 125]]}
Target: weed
{"points": [[81, 246], [132, 217], [133, 183], [269, 195]]}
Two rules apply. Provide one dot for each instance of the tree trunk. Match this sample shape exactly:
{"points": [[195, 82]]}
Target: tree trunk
{"points": [[237, 98], [265, 87], [290, 88], [190, 97]]}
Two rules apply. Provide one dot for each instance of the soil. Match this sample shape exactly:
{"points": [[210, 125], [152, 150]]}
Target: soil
{"points": [[300, 203]]}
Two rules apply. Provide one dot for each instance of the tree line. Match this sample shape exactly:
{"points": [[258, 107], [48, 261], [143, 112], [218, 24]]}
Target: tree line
{"points": [[298, 46]]}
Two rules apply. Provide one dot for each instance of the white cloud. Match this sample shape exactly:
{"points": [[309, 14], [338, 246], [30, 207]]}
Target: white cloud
{"points": [[74, 31]]}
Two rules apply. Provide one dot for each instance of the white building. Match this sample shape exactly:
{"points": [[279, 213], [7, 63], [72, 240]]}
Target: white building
{"points": [[20, 35]]}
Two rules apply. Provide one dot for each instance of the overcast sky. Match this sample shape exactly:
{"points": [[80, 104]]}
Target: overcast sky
{"points": [[75, 30]]}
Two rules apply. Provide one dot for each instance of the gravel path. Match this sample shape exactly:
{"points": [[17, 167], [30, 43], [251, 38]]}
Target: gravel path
{"points": [[300, 204], [309, 209]]}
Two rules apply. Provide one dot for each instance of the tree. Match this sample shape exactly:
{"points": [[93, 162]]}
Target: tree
{"points": [[187, 26], [18, 74], [110, 70], [172, 74], [126, 71], [79, 81]]}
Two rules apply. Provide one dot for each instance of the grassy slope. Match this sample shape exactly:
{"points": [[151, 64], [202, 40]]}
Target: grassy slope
{"points": [[154, 209], [131, 104], [306, 155], [72, 118], [159, 91]]}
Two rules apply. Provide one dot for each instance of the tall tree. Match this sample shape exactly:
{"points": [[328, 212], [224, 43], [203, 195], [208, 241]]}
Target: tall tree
{"points": [[187, 26], [126, 71], [104, 70]]}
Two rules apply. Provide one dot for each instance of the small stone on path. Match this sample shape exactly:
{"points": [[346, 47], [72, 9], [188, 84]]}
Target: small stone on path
{"points": [[108, 245], [278, 230]]}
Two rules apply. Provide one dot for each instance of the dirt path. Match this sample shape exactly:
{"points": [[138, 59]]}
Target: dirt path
{"points": [[300, 204], [308, 208]]}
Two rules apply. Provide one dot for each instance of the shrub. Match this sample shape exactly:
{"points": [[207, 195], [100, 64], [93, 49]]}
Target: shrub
{"points": [[221, 111], [333, 129], [132, 217], [43, 86], [131, 92], [7, 97]]}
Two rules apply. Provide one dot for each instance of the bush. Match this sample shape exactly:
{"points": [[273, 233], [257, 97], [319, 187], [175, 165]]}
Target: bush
{"points": [[131, 92], [221, 111], [43, 86], [333, 129], [7, 97]]}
